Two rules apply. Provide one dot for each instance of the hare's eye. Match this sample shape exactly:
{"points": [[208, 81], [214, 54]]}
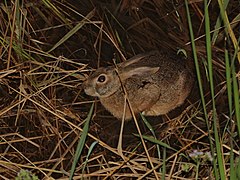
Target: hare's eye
{"points": [[101, 78]]}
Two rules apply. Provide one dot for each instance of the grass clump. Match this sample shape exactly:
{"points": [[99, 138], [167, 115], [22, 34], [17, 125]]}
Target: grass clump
{"points": [[48, 48]]}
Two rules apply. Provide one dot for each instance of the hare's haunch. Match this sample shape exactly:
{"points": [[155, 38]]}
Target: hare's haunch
{"points": [[155, 84]]}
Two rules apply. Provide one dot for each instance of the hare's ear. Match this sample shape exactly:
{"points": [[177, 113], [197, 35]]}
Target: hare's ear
{"points": [[132, 60], [136, 59], [140, 71]]}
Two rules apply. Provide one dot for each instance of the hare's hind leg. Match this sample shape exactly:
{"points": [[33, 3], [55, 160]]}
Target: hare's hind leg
{"points": [[157, 110]]}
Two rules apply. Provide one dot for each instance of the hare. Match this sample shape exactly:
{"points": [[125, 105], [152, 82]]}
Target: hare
{"points": [[154, 83]]}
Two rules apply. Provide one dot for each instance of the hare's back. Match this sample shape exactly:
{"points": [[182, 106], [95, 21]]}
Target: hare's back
{"points": [[162, 59]]}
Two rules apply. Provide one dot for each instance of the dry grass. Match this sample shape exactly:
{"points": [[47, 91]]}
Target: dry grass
{"points": [[47, 50]]}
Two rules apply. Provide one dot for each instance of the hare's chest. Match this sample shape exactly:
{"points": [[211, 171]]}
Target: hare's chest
{"points": [[139, 95]]}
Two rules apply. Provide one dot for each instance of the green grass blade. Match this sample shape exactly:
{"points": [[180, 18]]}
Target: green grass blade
{"points": [[164, 163], [156, 141], [228, 30], [73, 31], [218, 23], [238, 168], [210, 71], [201, 88], [88, 154], [229, 92], [149, 126], [236, 98], [196, 62], [54, 9], [81, 142], [229, 84]]}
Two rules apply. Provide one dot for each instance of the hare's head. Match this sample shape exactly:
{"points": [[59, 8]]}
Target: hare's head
{"points": [[102, 83], [106, 81]]}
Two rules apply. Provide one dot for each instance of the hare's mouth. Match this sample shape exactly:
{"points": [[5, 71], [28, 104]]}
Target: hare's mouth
{"points": [[91, 92]]}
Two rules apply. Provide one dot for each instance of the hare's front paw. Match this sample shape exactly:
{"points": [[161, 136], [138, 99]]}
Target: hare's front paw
{"points": [[159, 108], [150, 112]]}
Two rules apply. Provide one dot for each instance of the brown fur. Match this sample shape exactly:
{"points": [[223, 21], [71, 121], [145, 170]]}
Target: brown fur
{"points": [[155, 84]]}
